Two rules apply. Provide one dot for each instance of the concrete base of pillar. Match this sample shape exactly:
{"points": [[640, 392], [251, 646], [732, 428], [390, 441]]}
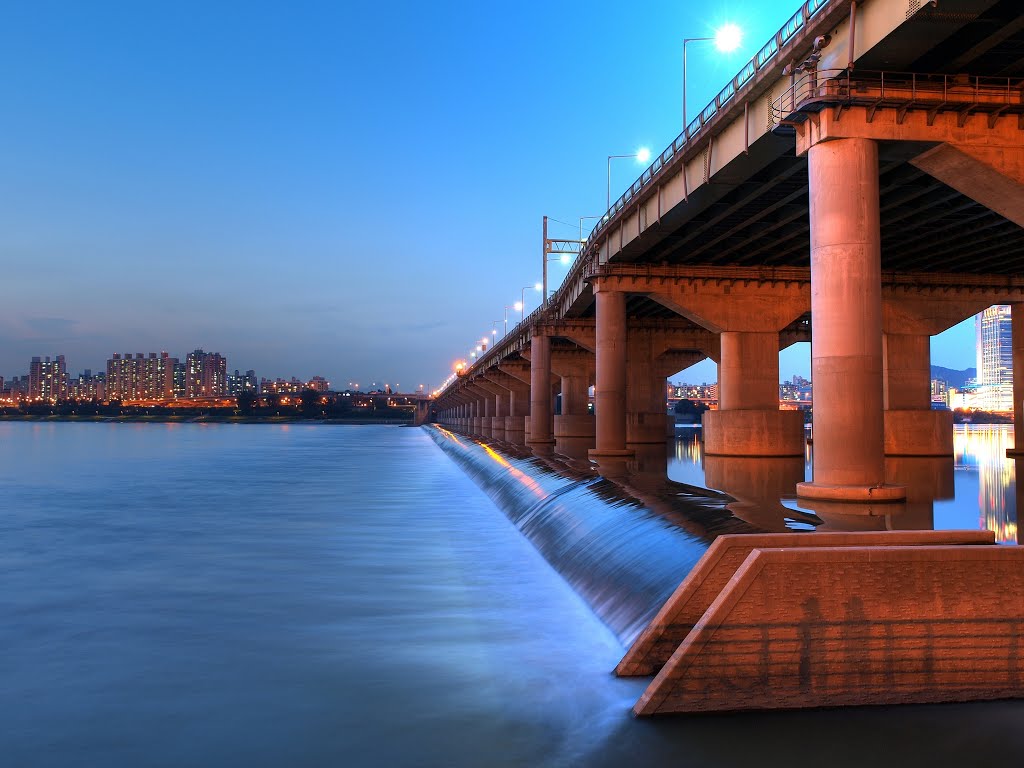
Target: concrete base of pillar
{"points": [[918, 433], [753, 433], [856, 494], [1015, 453], [497, 427], [596, 455], [575, 426], [574, 447], [475, 425], [514, 430], [645, 427]]}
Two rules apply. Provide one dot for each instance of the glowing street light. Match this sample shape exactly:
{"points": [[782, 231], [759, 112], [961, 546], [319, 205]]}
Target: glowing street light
{"points": [[642, 155], [522, 298], [727, 39]]}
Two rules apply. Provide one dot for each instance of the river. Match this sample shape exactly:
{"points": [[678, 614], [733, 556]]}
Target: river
{"points": [[306, 595]]}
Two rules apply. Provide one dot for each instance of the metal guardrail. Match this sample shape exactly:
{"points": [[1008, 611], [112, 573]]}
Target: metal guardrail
{"points": [[965, 94]]}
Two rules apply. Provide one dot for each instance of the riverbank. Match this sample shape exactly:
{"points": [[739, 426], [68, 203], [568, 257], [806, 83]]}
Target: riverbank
{"points": [[199, 418]]}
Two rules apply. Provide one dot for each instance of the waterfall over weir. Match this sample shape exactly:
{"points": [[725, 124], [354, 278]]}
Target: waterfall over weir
{"points": [[623, 545]]}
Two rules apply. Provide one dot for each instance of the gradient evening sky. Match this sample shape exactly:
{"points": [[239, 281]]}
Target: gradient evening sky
{"points": [[352, 190]]}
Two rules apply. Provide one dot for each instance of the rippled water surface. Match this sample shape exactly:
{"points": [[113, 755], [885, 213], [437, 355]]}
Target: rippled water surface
{"points": [[186, 595]]}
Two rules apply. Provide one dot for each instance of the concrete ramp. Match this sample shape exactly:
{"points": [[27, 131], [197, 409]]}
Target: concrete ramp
{"points": [[711, 575], [850, 625]]}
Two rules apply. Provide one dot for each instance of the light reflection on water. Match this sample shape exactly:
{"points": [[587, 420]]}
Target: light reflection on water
{"points": [[974, 490]]}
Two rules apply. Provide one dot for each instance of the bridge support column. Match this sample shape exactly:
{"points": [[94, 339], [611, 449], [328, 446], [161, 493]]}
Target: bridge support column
{"points": [[478, 416], [912, 428], [749, 422], [541, 412], [846, 308], [518, 413], [646, 393], [500, 413], [1017, 345], [486, 413], [610, 388], [515, 376], [574, 426]]}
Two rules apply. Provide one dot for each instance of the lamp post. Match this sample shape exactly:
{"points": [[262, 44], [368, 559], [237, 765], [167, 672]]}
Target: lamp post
{"points": [[522, 298], [564, 249], [582, 218], [727, 39], [642, 155]]}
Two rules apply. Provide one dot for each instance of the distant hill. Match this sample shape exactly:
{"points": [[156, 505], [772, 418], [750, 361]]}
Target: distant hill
{"points": [[953, 378]]}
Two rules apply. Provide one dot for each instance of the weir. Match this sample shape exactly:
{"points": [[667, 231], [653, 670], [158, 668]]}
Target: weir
{"points": [[727, 616], [621, 554]]}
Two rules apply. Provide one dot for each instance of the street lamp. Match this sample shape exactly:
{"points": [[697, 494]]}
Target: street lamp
{"points": [[507, 308], [522, 297], [727, 39], [582, 218], [642, 155]]}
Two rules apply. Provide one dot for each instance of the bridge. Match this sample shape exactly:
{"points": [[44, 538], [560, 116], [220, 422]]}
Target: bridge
{"points": [[860, 185]]}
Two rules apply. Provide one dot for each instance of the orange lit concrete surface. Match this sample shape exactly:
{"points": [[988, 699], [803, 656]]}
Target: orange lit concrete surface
{"points": [[849, 619]]}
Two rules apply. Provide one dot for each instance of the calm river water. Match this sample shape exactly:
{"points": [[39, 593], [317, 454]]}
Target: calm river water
{"points": [[249, 595]]}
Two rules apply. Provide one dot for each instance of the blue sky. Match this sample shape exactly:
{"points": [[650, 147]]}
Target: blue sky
{"points": [[324, 188]]}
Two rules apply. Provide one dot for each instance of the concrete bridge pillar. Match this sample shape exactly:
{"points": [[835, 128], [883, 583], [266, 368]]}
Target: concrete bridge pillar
{"points": [[1017, 345], [500, 414], [748, 421], [911, 427], [478, 415], [486, 411], [515, 376], [846, 307], [497, 405], [610, 387], [646, 393], [574, 426], [541, 411], [509, 394], [747, 315]]}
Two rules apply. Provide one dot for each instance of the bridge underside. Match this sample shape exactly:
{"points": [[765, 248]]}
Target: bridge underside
{"points": [[875, 214]]}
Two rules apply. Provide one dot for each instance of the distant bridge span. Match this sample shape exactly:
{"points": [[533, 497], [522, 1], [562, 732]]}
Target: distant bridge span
{"points": [[851, 182]]}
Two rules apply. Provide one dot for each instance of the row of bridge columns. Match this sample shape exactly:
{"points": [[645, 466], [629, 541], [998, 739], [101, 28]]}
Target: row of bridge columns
{"points": [[870, 355]]}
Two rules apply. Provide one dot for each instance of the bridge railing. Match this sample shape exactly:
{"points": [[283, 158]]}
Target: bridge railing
{"points": [[814, 90], [695, 130]]}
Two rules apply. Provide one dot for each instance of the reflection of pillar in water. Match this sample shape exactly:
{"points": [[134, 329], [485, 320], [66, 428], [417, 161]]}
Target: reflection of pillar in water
{"points": [[996, 493], [927, 480], [758, 484]]}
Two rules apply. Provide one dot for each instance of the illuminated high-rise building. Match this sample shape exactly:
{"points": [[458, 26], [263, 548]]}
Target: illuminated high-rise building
{"points": [[88, 386], [47, 380], [206, 374], [995, 359], [140, 377], [243, 382]]}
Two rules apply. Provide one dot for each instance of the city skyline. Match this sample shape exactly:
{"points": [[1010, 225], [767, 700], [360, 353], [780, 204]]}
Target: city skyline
{"points": [[329, 183]]}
